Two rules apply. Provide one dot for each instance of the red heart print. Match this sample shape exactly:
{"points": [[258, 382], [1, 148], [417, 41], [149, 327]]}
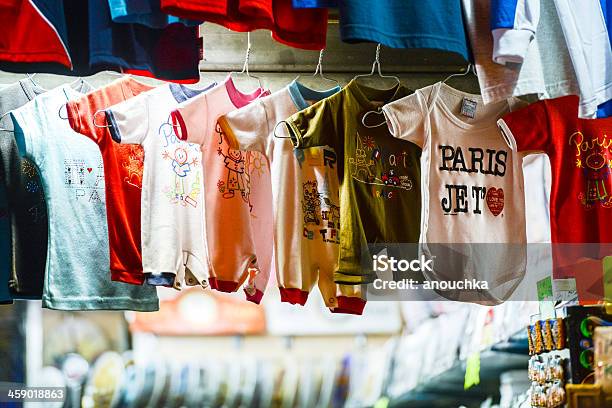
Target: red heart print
{"points": [[495, 200], [89, 169]]}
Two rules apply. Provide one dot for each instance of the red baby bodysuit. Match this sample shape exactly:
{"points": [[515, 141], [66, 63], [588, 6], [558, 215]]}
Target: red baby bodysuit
{"points": [[580, 152], [122, 175]]}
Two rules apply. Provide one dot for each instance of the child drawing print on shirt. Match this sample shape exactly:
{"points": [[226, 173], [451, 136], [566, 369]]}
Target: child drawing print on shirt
{"points": [[237, 180], [362, 166], [257, 164], [594, 158], [185, 189], [184, 162], [368, 155]]}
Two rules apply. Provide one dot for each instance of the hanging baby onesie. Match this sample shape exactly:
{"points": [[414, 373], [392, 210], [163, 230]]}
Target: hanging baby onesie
{"points": [[230, 196], [474, 200], [76, 276], [122, 175], [300, 28], [25, 216], [581, 191], [305, 197], [172, 233], [379, 175]]}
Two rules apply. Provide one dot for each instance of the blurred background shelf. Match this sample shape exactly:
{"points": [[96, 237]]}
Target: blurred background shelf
{"points": [[447, 389]]}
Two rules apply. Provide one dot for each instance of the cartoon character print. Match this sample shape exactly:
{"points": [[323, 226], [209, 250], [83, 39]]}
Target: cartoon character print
{"points": [[184, 161], [237, 180], [368, 155], [331, 214], [594, 158], [321, 216], [311, 203]]}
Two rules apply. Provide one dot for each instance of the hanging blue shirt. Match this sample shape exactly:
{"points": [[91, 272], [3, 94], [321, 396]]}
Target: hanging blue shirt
{"points": [[171, 53], [405, 24], [145, 12]]}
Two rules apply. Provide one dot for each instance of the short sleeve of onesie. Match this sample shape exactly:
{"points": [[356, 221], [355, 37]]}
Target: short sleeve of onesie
{"points": [[77, 112], [245, 128], [128, 121], [527, 129], [314, 126], [406, 118], [185, 120]]}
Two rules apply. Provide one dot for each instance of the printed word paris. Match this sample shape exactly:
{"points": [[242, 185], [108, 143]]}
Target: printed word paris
{"points": [[484, 161]]}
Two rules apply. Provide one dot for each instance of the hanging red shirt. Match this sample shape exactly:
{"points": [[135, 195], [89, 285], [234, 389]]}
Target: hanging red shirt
{"points": [[123, 166], [299, 28], [28, 35], [580, 152]]}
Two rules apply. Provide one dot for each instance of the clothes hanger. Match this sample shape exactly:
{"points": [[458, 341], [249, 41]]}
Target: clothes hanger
{"points": [[282, 122], [319, 71], [471, 68], [93, 119], [71, 84], [245, 66], [122, 75], [376, 70]]}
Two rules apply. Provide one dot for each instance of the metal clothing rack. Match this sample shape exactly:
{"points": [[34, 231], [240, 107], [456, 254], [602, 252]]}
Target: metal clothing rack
{"points": [[224, 52]]}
